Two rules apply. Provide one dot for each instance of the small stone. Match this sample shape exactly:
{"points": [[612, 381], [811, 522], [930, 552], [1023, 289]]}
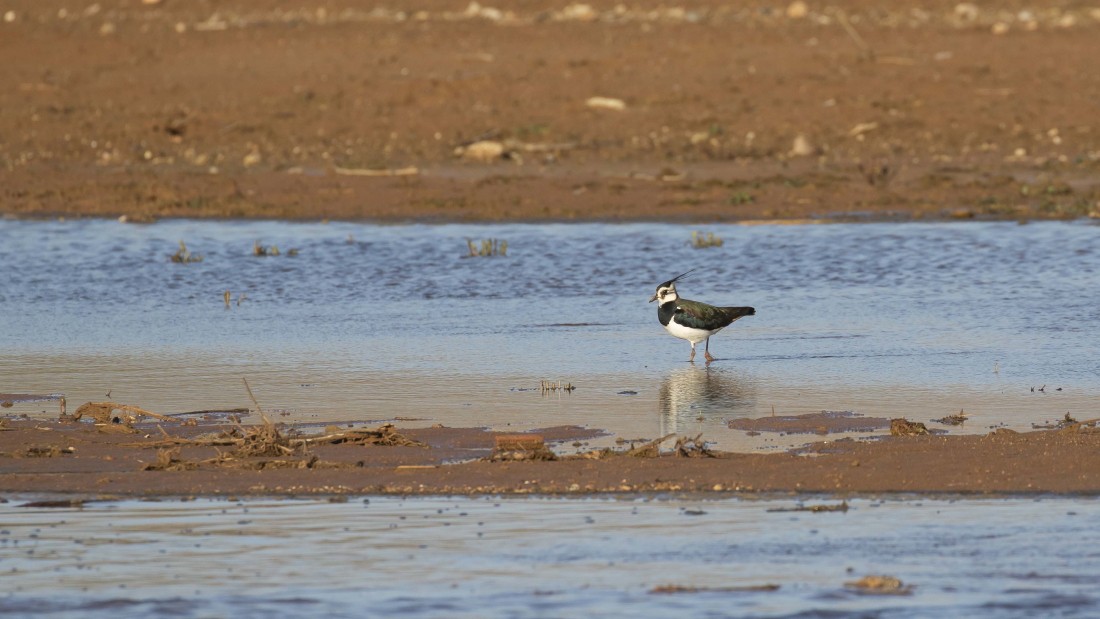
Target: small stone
{"points": [[578, 12], [484, 151], [966, 11], [9, 17], [107, 28], [801, 147], [1000, 28], [606, 103], [797, 9], [862, 128]]}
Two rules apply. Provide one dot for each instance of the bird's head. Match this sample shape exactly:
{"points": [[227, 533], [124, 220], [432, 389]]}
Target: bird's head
{"points": [[666, 292]]}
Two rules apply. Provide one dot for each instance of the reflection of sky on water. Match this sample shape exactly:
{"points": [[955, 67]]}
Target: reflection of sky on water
{"points": [[501, 557], [372, 322]]}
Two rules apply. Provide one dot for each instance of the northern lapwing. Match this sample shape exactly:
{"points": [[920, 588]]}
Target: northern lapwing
{"points": [[691, 320]]}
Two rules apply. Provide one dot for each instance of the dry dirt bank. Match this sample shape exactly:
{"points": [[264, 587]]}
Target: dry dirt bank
{"points": [[711, 112]]}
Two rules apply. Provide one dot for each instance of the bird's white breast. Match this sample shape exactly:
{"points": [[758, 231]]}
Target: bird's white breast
{"points": [[687, 333]]}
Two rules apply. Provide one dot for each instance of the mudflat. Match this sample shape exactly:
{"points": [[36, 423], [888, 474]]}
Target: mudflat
{"points": [[90, 460], [465, 111]]}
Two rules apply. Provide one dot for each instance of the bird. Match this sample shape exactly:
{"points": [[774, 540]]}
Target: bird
{"points": [[691, 320]]}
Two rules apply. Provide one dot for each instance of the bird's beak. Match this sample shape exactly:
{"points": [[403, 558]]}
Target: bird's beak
{"points": [[653, 298]]}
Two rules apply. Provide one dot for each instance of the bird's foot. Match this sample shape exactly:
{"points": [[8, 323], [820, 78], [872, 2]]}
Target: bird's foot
{"points": [[708, 356], [691, 359]]}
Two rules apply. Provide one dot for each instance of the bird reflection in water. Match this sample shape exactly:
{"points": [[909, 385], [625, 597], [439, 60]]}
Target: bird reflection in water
{"points": [[693, 394]]}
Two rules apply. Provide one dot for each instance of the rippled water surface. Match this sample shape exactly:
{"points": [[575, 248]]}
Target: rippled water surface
{"points": [[390, 557], [380, 322], [375, 322]]}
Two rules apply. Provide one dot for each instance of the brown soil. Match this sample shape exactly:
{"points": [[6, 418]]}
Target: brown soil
{"points": [[102, 460], [261, 108]]}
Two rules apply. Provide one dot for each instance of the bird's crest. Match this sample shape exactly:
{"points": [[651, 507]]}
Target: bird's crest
{"points": [[677, 278]]}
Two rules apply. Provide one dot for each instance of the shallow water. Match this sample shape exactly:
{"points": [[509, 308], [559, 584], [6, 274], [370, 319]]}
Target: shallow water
{"points": [[373, 322], [546, 558]]}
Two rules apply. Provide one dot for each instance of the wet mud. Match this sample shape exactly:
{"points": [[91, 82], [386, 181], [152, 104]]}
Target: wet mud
{"points": [[825, 422], [550, 111], [98, 459]]}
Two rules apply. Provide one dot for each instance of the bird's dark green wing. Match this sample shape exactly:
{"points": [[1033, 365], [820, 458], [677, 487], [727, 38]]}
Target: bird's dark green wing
{"points": [[702, 316]]}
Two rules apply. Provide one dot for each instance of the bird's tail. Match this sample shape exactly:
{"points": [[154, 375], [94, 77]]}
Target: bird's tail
{"points": [[733, 313]]}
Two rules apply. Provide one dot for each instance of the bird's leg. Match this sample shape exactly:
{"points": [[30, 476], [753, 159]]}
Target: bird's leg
{"points": [[691, 359], [706, 351]]}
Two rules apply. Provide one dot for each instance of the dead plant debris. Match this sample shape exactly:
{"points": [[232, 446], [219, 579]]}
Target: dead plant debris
{"points": [[103, 412], [1071, 425], [685, 447], [551, 386], [184, 256], [703, 241], [879, 585], [1061, 424], [249, 446], [264, 250], [692, 447], [385, 435], [904, 427], [953, 420], [486, 248], [652, 449], [266, 440], [519, 447]]}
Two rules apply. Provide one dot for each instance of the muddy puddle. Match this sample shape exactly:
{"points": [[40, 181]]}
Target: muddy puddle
{"points": [[497, 557], [359, 322]]}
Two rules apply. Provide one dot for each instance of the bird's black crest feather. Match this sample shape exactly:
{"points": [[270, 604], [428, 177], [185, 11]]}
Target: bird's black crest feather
{"points": [[677, 278]]}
